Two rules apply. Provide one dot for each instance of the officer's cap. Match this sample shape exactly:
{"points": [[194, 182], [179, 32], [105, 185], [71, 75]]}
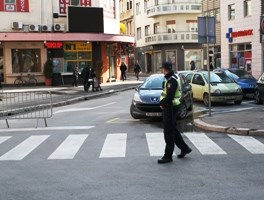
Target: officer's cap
{"points": [[166, 65]]}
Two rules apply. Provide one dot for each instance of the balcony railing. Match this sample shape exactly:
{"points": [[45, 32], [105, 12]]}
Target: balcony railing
{"points": [[180, 6], [178, 37], [126, 15]]}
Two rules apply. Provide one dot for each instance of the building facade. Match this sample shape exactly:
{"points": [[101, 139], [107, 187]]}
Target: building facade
{"points": [[241, 43], [32, 32], [166, 30]]}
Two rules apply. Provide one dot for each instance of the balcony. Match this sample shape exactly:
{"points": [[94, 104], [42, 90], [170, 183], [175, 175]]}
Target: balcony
{"points": [[166, 38], [180, 6], [126, 15]]}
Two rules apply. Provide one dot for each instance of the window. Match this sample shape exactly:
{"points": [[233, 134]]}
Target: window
{"points": [[192, 25], [231, 12], [147, 30], [25, 60], [247, 8], [138, 9], [156, 28], [138, 33], [171, 26], [156, 2]]}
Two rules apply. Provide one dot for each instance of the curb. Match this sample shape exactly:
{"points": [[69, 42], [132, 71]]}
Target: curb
{"points": [[230, 130]]}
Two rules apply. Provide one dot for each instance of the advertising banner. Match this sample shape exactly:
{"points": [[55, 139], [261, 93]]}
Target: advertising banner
{"points": [[14, 5]]}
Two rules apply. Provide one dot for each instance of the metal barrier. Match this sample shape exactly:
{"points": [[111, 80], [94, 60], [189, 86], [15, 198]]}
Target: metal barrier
{"points": [[26, 105]]}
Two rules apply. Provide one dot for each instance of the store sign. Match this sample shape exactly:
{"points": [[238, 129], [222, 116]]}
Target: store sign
{"points": [[77, 46], [65, 3], [53, 45], [235, 34], [14, 5]]}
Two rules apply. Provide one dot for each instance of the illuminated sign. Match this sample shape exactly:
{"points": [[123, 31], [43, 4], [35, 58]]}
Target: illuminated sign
{"points": [[77, 46], [235, 34], [53, 45]]}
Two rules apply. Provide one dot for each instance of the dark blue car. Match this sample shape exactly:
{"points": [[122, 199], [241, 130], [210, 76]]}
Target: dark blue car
{"points": [[245, 80], [145, 103]]}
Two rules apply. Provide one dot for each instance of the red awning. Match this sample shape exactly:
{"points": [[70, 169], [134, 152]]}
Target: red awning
{"points": [[27, 37]]}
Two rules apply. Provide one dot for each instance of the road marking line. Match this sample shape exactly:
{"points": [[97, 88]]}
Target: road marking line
{"points": [[204, 144], [113, 120], [114, 146], [251, 144], [4, 138], [57, 128], [156, 144], [69, 147], [24, 148], [83, 109]]}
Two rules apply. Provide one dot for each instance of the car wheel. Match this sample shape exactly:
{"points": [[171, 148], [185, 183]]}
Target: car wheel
{"points": [[206, 99], [257, 97], [238, 102], [183, 111], [132, 113]]}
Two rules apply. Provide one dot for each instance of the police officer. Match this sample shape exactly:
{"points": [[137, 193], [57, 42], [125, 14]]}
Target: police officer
{"points": [[170, 105]]}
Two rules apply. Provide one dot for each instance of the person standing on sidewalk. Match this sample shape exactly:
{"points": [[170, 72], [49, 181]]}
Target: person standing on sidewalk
{"points": [[85, 75], [137, 70], [75, 75], [123, 69], [170, 105]]}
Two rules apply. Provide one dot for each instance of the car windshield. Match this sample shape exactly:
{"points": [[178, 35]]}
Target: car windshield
{"points": [[242, 74], [218, 78], [153, 83]]}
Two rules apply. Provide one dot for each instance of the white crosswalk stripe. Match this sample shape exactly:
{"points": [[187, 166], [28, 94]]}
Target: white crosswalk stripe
{"points": [[69, 147], [24, 148], [251, 144], [114, 146], [156, 144], [204, 144], [4, 138]]}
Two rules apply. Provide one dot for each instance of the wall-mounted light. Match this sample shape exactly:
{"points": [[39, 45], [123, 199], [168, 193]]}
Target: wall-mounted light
{"points": [[45, 42], [87, 42]]}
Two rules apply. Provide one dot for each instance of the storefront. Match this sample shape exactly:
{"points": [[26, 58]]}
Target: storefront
{"points": [[27, 53]]}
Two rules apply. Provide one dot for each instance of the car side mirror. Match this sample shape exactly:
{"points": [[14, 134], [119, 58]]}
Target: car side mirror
{"points": [[262, 78], [188, 87]]}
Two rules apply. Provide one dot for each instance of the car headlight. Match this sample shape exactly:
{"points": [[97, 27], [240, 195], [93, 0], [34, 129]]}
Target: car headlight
{"points": [[217, 91], [239, 91], [137, 98]]}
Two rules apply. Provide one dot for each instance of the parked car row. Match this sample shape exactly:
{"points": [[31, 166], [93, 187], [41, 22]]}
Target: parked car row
{"points": [[227, 85]]}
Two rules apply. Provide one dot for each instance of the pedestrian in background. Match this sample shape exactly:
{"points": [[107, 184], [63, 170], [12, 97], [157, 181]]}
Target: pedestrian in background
{"points": [[75, 75], [85, 75], [91, 76], [170, 105], [192, 64], [123, 69], [211, 66], [137, 70]]}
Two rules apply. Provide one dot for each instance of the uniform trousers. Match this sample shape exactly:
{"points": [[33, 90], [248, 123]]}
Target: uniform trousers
{"points": [[171, 133]]}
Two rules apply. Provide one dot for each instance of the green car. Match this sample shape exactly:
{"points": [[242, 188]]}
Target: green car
{"points": [[223, 89]]}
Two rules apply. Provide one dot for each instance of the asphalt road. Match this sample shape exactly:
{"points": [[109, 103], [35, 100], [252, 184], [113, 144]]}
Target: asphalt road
{"points": [[95, 150]]}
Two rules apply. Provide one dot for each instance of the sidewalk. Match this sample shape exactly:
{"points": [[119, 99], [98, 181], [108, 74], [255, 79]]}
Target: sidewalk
{"points": [[247, 122]]}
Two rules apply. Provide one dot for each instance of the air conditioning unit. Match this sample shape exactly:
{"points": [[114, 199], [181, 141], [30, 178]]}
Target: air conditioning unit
{"points": [[58, 27], [45, 28], [33, 27], [17, 25]]}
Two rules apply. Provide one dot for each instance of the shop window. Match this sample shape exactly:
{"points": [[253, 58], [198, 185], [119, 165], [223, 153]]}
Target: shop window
{"points": [[231, 11], [25, 60], [76, 54], [193, 55], [171, 57]]}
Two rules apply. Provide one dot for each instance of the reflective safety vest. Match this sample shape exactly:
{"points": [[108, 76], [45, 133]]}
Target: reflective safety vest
{"points": [[177, 95]]}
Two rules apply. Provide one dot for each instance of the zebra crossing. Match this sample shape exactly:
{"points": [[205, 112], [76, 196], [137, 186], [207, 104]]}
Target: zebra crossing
{"points": [[115, 145]]}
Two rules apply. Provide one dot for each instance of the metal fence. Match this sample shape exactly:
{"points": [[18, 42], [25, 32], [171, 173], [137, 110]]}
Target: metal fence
{"points": [[25, 105]]}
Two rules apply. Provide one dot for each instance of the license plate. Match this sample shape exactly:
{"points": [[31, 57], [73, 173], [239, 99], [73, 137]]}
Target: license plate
{"points": [[154, 114], [230, 98]]}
